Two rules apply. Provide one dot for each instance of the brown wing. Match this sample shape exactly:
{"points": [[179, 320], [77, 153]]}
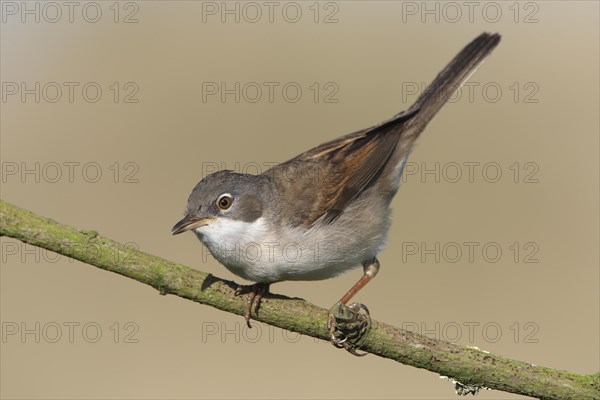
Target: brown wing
{"points": [[347, 166], [328, 177]]}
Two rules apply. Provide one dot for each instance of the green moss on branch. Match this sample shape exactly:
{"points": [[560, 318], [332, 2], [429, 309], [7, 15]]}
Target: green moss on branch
{"points": [[467, 365]]}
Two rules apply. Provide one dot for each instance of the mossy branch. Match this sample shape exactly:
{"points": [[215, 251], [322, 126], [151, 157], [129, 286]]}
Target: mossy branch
{"points": [[470, 366]]}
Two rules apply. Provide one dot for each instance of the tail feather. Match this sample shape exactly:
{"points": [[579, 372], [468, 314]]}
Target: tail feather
{"points": [[456, 73]]}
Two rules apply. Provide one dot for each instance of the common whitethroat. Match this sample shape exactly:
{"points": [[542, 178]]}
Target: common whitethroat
{"points": [[325, 211]]}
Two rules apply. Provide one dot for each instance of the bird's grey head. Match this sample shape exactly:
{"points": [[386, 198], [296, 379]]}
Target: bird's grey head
{"points": [[224, 194]]}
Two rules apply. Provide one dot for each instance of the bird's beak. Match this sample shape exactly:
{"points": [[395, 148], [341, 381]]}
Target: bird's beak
{"points": [[189, 222]]}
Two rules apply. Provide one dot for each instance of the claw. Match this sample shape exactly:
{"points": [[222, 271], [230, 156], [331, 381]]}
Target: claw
{"points": [[255, 295], [348, 325], [239, 290], [354, 352]]}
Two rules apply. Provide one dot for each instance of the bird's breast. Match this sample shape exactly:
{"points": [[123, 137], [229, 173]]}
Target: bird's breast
{"points": [[262, 251]]}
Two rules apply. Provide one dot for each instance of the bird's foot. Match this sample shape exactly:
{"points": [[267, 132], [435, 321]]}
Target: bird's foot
{"points": [[348, 325], [255, 294]]}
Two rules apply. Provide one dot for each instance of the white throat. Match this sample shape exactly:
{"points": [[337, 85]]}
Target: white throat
{"points": [[228, 231]]}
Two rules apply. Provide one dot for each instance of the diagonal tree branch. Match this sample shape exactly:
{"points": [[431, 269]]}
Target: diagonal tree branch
{"points": [[470, 366]]}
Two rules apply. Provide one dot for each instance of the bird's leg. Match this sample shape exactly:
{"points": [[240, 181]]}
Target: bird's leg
{"points": [[347, 325], [255, 295]]}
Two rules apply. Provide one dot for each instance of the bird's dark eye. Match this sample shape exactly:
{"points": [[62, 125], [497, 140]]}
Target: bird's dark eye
{"points": [[224, 201]]}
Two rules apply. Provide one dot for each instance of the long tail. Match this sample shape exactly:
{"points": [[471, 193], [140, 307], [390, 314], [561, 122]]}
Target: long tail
{"points": [[457, 72], [410, 123]]}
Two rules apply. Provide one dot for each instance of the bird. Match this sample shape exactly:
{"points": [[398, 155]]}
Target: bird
{"points": [[325, 211]]}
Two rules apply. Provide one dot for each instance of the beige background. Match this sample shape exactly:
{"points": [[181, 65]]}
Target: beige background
{"points": [[371, 53]]}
